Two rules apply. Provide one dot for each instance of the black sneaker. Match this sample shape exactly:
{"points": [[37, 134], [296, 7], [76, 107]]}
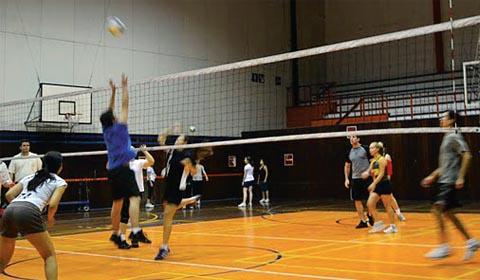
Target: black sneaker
{"points": [[371, 221], [124, 245], [138, 237], [362, 224], [115, 239]]}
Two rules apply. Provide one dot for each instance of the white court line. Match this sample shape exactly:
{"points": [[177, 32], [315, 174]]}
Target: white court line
{"points": [[320, 240], [233, 269]]}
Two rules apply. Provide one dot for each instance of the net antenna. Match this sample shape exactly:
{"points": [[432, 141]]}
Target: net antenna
{"points": [[471, 78]]}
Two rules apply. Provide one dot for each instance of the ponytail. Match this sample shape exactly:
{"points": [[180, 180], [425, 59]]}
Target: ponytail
{"points": [[52, 161]]}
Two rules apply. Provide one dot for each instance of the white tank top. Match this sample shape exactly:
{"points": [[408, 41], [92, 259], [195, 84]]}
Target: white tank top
{"points": [[41, 195], [249, 170], [137, 167]]}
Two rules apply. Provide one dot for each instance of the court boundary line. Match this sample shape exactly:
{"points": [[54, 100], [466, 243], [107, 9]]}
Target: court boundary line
{"points": [[233, 269]]}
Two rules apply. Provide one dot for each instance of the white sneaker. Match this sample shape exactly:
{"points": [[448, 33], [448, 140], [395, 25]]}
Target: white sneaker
{"points": [[401, 217], [249, 204], [242, 204], [149, 205], [442, 251], [391, 229], [267, 200], [262, 200], [472, 247], [377, 227]]}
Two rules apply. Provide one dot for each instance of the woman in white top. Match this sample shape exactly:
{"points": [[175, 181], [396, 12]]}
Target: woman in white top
{"points": [[247, 182], [151, 177], [24, 214], [197, 180]]}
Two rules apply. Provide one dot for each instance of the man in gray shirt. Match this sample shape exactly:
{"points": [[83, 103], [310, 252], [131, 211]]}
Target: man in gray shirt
{"points": [[357, 160], [454, 160]]}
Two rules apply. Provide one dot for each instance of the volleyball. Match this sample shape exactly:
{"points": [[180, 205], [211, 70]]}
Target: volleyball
{"points": [[115, 26], [192, 128]]}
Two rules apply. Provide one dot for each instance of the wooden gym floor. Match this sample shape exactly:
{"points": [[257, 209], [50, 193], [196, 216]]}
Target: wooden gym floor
{"points": [[287, 240]]}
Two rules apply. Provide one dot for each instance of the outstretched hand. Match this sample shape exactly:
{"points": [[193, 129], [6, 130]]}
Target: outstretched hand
{"points": [[112, 86], [124, 81]]}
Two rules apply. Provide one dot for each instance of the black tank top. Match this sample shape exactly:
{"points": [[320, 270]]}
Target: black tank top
{"points": [[262, 174]]}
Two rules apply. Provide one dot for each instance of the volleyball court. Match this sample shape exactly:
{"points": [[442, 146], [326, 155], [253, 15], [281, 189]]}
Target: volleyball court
{"points": [[244, 109]]}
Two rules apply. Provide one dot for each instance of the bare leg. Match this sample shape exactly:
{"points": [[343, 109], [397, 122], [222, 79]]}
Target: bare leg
{"points": [[267, 195], [115, 214], [387, 203], [437, 210], [250, 192], [44, 245], [394, 203], [7, 246], [458, 224], [244, 196], [168, 213], [134, 211], [372, 205], [359, 207]]}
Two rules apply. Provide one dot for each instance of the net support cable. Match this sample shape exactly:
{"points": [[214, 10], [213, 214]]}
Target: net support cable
{"points": [[296, 137]]}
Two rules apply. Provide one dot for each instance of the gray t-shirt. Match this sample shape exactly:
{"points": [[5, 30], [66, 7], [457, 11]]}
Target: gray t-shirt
{"points": [[453, 145], [358, 157]]}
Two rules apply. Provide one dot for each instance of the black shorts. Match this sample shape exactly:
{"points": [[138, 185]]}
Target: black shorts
{"points": [[263, 186], [197, 187], [248, 184], [359, 188], [173, 195], [383, 188], [22, 217], [446, 194], [122, 182]]}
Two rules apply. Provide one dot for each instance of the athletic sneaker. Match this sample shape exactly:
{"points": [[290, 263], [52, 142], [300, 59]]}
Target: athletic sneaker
{"points": [[391, 229], [377, 227], [124, 245], [267, 200], [242, 204], [115, 239], [262, 200], [442, 251], [249, 204], [371, 221], [149, 205], [362, 224], [401, 217], [472, 247], [162, 254], [138, 237]]}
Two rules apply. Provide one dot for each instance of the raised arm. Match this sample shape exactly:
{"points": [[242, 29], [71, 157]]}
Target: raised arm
{"points": [[124, 114], [149, 158], [111, 105]]}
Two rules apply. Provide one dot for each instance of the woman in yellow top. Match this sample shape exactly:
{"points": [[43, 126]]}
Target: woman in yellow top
{"points": [[380, 188]]}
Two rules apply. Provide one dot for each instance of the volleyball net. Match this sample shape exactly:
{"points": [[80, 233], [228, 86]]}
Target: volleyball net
{"points": [[396, 76]]}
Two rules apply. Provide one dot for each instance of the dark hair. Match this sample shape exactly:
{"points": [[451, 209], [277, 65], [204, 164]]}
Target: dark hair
{"points": [[51, 163], [23, 141], [452, 115], [249, 159], [107, 118]]}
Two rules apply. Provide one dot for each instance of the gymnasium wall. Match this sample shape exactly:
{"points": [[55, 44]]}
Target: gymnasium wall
{"points": [[65, 41], [317, 171]]}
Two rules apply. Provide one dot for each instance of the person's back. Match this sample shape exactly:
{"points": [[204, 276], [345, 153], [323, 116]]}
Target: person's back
{"points": [[117, 140], [41, 195]]}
